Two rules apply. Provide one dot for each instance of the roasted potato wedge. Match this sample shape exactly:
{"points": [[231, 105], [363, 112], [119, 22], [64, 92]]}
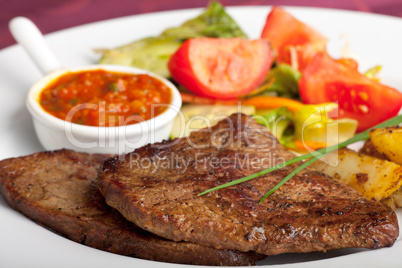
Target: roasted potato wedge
{"points": [[388, 141], [372, 177]]}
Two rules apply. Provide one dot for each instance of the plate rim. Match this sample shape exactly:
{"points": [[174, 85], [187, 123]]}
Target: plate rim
{"points": [[228, 8]]}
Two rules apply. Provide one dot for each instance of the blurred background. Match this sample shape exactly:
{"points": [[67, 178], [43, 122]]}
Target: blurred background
{"points": [[53, 15]]}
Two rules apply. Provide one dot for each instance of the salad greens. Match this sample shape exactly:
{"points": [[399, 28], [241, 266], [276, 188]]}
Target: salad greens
{"points": [[149, 53], [281, 81], [214, 22], [285, 80], [277, 121], [153, 53]]}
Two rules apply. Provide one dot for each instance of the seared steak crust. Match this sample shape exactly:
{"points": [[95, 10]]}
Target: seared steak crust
{"points": [[59, 190], [156, 187]]}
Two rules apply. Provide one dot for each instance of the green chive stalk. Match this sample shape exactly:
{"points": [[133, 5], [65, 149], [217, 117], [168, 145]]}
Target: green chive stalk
{"points": [[314, 157]]}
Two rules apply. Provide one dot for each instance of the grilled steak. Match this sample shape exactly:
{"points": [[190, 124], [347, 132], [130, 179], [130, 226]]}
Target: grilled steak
{"points": [[156, 187], [58, 189]]}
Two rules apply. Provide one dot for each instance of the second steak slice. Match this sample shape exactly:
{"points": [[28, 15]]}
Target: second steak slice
{"points": [[157, 188], [59, 190]]}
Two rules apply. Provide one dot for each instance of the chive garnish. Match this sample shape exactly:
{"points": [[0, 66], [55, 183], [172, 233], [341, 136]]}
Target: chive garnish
{"points": [[314, 156]]}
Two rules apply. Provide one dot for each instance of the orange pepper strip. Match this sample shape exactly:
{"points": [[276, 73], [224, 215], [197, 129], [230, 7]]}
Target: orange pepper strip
{"points": [[194, 99], [301, 145], [264, 102], [259, 102]]}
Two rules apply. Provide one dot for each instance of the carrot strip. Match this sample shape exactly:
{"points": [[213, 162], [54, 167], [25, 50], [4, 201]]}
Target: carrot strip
{"points": [[301, 145], [259, 102], [264, 102]]}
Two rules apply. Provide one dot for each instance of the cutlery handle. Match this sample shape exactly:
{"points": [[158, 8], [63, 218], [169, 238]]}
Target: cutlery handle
{"points": [[28, 35]]}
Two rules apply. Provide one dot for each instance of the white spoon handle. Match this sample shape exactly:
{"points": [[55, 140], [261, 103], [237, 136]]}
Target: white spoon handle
{"points": [[28, 35]]}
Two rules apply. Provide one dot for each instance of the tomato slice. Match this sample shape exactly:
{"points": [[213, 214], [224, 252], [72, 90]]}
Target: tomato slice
{"points": [[221, 68], [359, 97], [286, 32]]}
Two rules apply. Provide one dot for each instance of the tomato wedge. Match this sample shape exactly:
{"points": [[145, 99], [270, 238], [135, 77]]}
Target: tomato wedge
{"points": [[221, 68], [286, 32], [359, 97]]}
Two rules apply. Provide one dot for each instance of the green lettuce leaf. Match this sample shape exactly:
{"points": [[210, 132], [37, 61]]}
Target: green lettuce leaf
{"points": [[277, 121], [282, 80]]}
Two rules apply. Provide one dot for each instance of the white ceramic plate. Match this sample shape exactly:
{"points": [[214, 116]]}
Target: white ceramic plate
{"points": [[374, 39]]}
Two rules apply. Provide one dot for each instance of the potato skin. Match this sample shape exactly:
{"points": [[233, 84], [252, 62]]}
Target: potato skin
{"points": [[388, 141], [369, 149]]}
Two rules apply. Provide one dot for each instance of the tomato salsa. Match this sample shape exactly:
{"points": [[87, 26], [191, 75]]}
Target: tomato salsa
{"points": [[104, 98]]}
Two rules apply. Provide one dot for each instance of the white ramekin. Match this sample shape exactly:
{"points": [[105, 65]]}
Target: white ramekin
{"points": [[54, 133]]}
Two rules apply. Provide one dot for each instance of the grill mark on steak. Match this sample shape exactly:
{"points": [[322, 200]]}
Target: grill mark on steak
{"points": [[59, 190], [311, 212]]}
